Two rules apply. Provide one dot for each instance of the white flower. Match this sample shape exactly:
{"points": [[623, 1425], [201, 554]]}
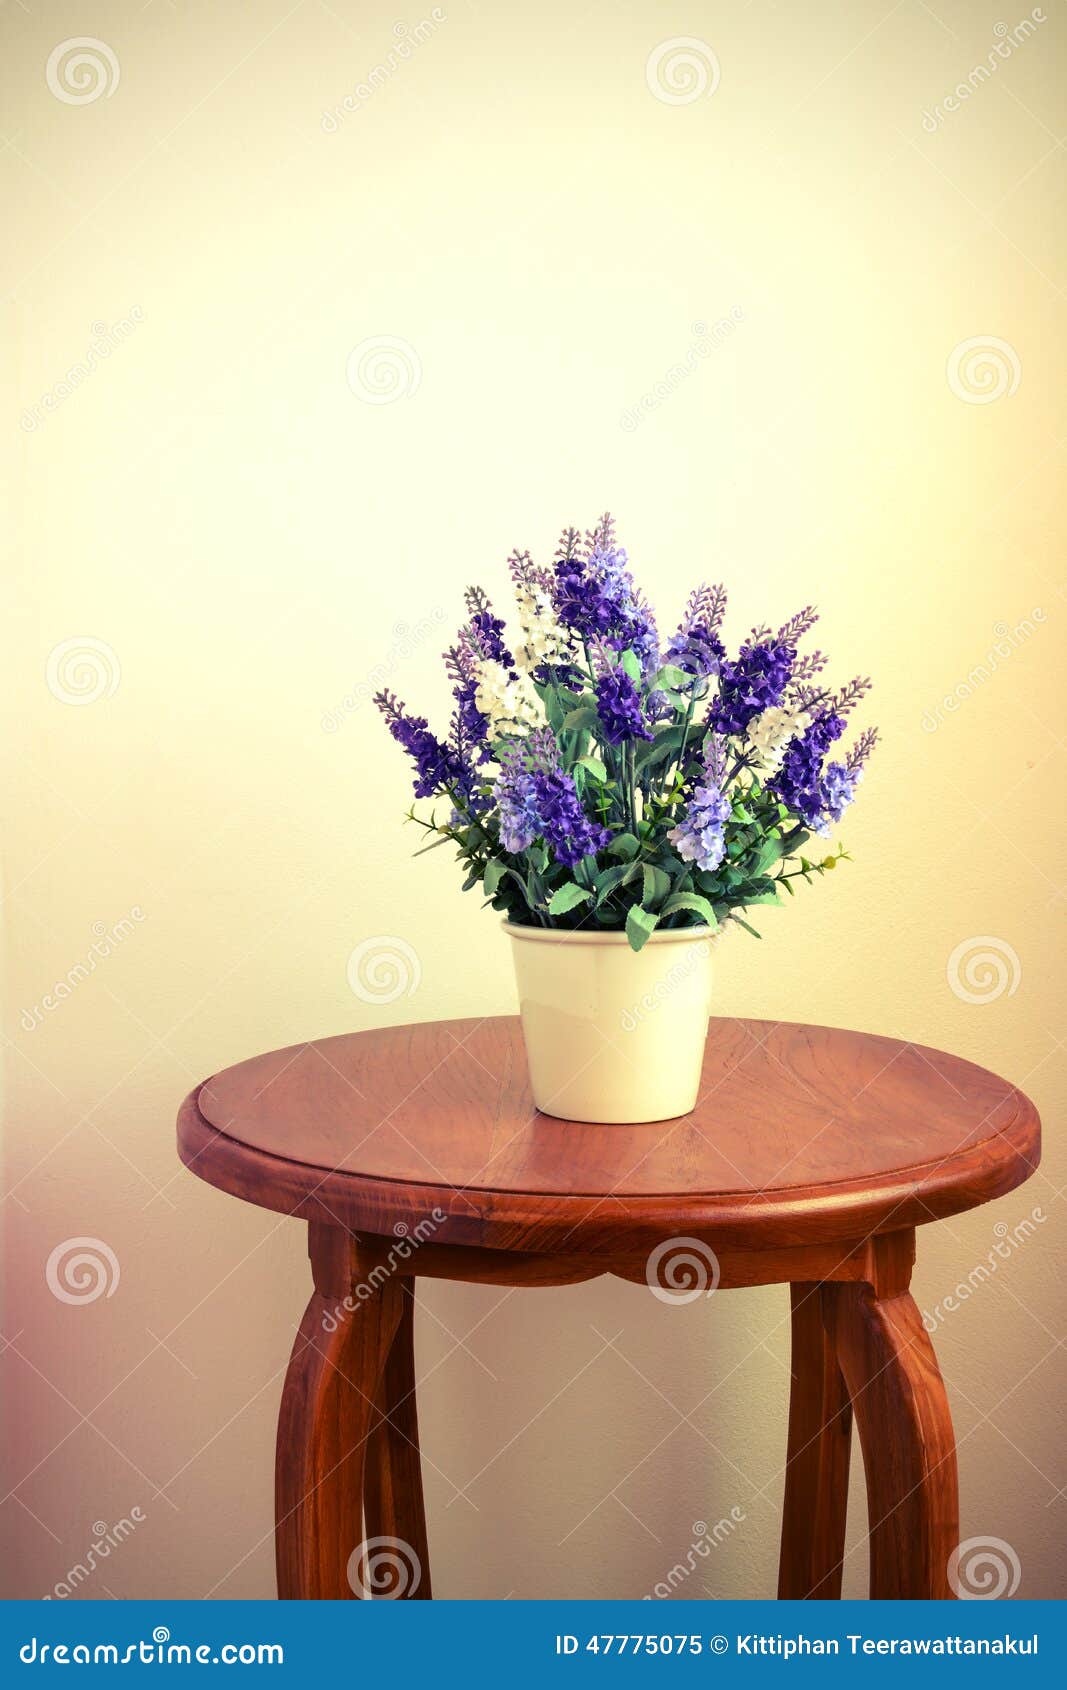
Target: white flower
{"points": [[543, 638], [509, 704], [771, 732]]}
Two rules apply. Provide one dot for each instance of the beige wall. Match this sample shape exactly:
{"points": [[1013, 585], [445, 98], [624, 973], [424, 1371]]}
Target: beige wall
{"points": [[242, 541]]}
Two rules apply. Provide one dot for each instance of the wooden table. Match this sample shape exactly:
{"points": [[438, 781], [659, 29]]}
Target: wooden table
{"points": [[810, 1159]]}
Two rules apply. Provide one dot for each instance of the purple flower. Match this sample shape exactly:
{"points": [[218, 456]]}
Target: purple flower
{"points": [[753, 684], [537, 800], [618, 704], [699, 837], [516, 800], [696, 646], [798, 782], [437, 766], [460, 664], [487, 629], [478, 640], [564, 825], [594, 594], [837, 791]]}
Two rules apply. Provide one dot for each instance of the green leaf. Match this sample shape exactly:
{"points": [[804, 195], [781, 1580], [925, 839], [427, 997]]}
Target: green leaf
{"points": [[640, 926], [432, 846], [690, 901], [567, 897], [670, 676], [610, 879], [748, 929], [667, 744], [770, 851], [655, 886], [495, 870], [583, 717], [762, 898], [629, 662], [593, 766], [624, 845]]}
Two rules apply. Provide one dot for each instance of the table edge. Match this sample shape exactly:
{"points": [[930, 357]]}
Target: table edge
{"points": [[547, 1222]]}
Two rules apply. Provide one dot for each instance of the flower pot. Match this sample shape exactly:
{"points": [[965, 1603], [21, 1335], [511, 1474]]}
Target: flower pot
{"points": [[612, 1034]]}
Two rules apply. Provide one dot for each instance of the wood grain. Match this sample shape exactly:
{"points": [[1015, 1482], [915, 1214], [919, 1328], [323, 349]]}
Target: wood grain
{"points": [[909, 1451], [820, 1442], [325, 1421], [393, 1501], [810, 1159], [805, 1135]]}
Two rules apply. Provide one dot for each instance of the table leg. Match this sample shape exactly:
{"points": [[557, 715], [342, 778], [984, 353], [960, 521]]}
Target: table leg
{"points": [[905, 1428], [326, 1417], [820, 1437], [393, 1499]]}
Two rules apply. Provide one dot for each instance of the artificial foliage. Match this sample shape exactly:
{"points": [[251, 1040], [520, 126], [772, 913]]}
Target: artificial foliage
{"points": [[597, 777]]}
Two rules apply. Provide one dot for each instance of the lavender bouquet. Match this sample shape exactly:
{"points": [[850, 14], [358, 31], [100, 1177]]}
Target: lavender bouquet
{"points": [[594, 778]]}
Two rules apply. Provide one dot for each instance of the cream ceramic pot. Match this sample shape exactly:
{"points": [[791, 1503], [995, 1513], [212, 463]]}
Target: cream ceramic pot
{"points": [[612, 1034]]}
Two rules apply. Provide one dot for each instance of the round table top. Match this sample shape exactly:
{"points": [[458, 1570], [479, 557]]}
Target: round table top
{"points": [[801, 1134]]}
